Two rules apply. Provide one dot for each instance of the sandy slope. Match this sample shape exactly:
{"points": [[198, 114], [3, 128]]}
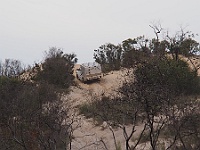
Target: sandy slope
{"points": [[88, 136], [193, 63]]}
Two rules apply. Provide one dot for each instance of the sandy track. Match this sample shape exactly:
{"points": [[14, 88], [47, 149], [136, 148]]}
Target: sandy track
{"points": [[87, 135]]}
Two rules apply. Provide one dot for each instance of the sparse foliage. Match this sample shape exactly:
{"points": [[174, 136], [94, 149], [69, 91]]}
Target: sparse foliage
{"points": [[11, 68], [161, 87], [109, 56], [32, 117], [32, 114], [135, 51]]}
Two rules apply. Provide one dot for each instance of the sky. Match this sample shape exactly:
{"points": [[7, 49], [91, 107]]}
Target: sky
{"points": [[28, 28]]}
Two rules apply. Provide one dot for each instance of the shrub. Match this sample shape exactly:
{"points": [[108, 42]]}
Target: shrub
{"points": [[172, 75], [57, 68], [107, 109]]}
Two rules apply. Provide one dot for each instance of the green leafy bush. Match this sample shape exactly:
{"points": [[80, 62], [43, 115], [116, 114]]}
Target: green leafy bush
{"points": [[175, 76], [57, 68]]}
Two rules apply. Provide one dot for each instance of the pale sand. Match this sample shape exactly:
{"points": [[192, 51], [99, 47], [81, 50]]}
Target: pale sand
{"points": [[87, 135]]}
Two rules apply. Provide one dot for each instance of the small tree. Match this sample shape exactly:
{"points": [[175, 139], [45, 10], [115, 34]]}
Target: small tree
{"points": [[11, 68], [135, 51], [183, 42], [57, 68], [32, 116], [109, 56], [159, 85]]}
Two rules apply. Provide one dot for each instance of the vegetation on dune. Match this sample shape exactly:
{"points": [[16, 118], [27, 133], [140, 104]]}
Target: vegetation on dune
{"points": [[57, 68], [107, 109], [32, 114], [139, 50], [160, 94]]}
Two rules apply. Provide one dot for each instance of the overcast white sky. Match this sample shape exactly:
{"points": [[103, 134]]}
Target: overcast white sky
{"points": [[29, 27]]}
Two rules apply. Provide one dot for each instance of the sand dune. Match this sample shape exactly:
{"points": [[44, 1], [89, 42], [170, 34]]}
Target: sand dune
{"points": [[87, 135]]}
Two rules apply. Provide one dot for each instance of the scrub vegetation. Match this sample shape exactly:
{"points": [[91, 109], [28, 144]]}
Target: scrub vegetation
{"points": [[161, 94], [32, 114]]}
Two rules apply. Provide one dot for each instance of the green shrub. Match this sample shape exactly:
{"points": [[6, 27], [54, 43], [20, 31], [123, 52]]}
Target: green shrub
{"points": [[107, 109], [175, 76], [57, 69]]}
